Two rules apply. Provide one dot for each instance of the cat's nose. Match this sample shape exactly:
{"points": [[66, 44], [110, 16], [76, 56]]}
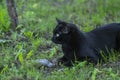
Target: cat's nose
{"points": [[54, 40]]}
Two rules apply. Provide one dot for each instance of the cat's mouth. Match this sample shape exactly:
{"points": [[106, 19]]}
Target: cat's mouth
{"points": [[55, 41]]}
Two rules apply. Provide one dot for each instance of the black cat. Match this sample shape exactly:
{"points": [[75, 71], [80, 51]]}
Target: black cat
{"points": [[77, 45]]}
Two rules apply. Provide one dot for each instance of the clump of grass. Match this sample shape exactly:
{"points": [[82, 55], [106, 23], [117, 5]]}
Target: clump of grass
{"points": [[4, 20]]}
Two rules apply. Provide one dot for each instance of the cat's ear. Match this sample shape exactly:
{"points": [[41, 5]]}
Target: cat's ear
{"points": [[58, 21], [65, 27]]}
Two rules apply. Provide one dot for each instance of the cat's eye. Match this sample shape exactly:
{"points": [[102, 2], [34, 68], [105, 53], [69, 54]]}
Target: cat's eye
{"points": [[57, 35]]}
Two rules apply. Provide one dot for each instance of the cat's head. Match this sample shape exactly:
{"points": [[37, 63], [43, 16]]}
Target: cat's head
{"points": [[62, 32]]}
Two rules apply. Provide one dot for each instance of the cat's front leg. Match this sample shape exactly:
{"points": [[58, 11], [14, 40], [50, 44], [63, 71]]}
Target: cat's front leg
{"points": [[62, 60], [68, 57]]}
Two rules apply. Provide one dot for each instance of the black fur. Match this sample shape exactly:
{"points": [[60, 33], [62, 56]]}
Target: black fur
{"points": [[77, 45]]}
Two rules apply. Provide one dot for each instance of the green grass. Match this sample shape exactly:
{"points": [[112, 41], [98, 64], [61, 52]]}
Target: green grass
{"points": [[37, 20]]}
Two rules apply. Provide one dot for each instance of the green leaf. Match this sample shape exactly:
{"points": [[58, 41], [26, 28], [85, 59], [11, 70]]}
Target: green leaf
{"points": [[94, 74], [29, 34], [29, 54], [20, 57], [4, 69]]}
